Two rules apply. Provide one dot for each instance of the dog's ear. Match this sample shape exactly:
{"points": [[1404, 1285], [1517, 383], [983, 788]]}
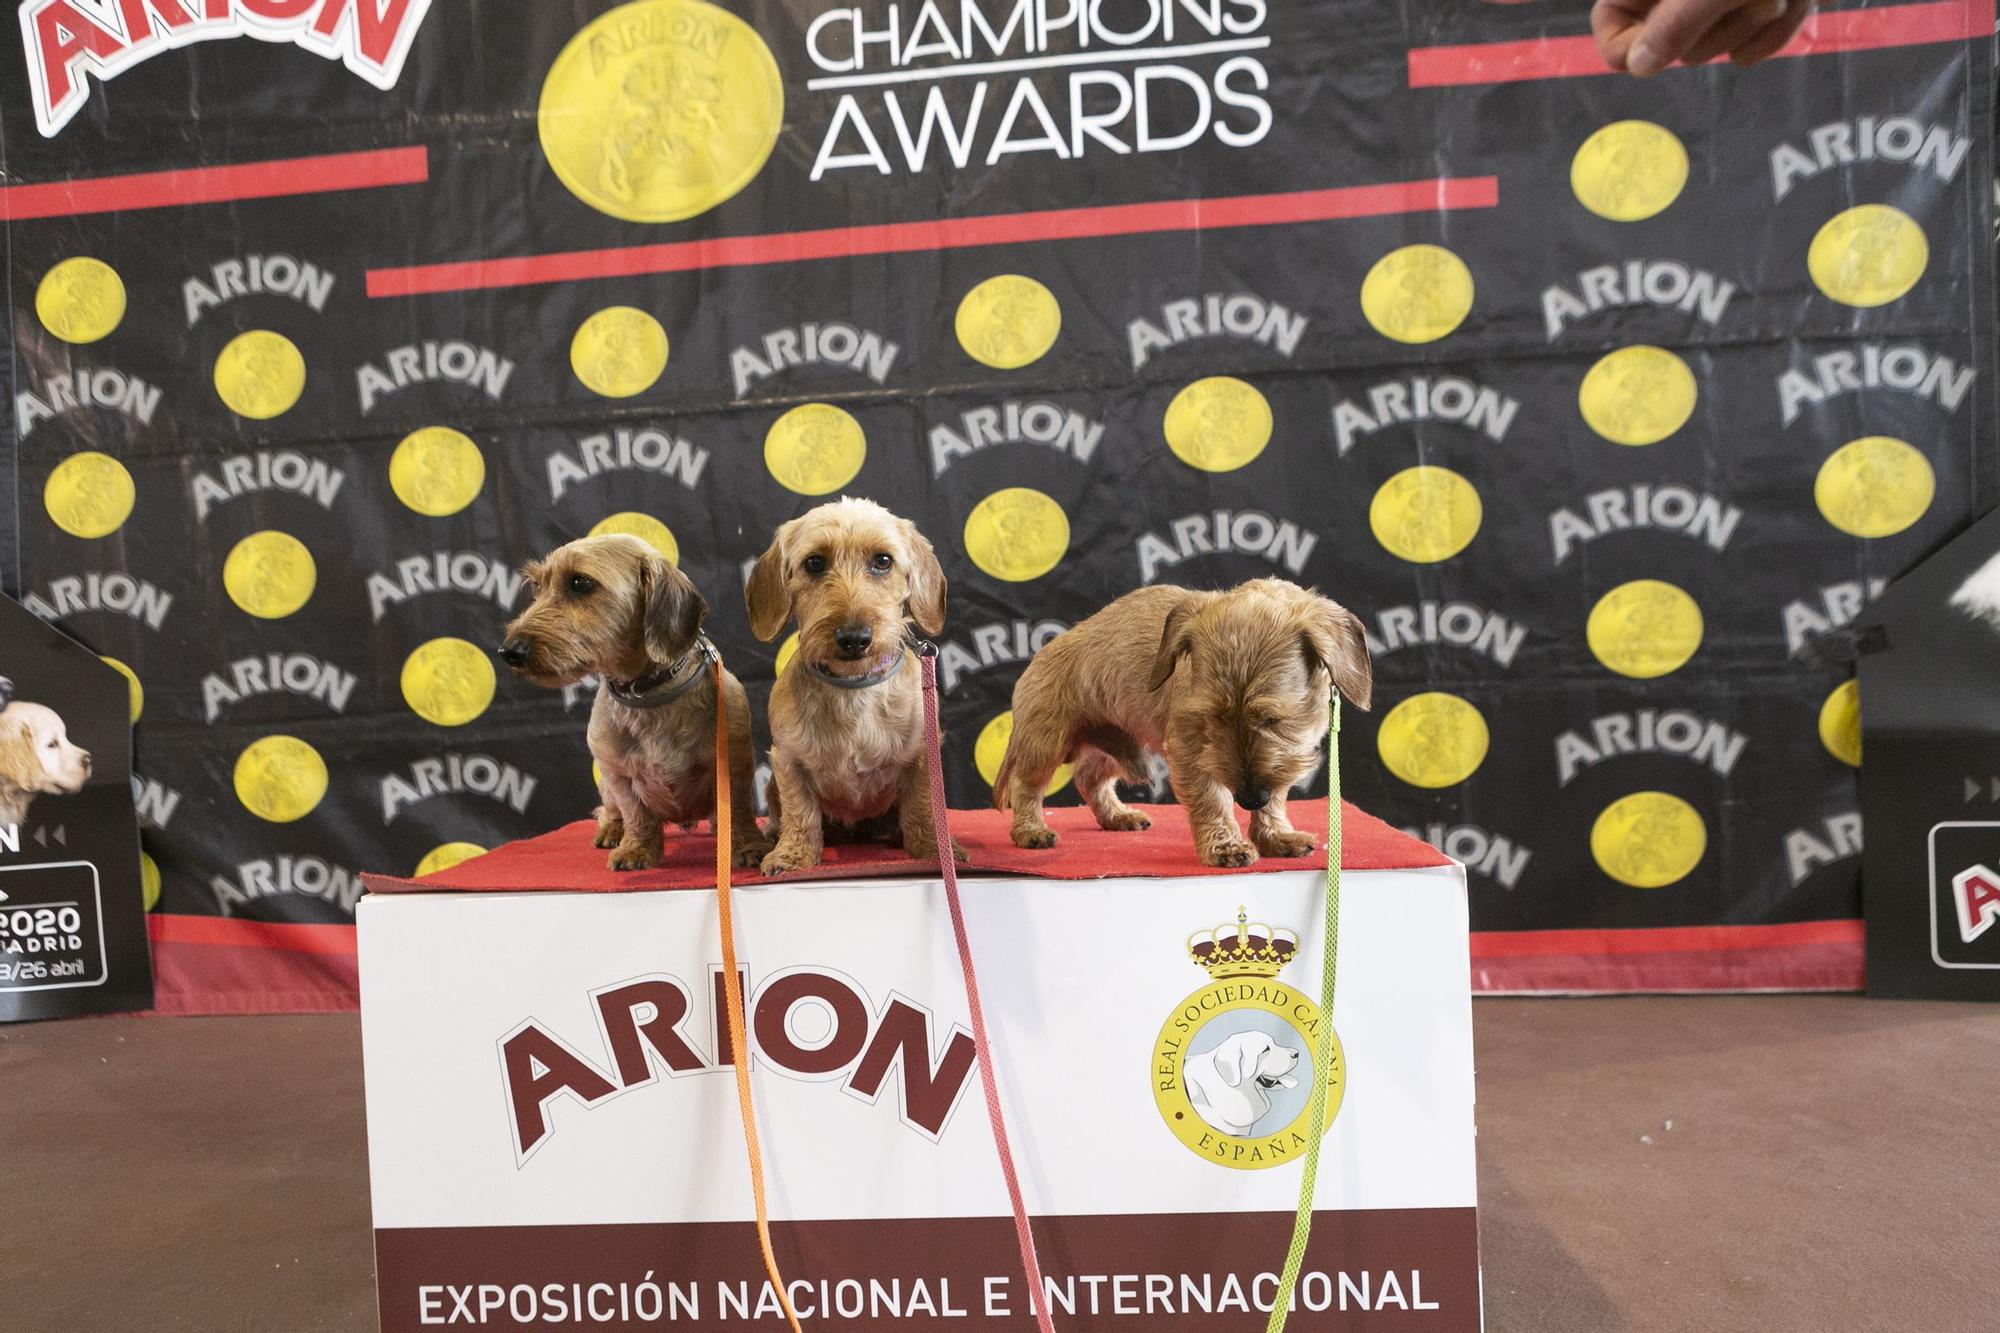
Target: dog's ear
{"points": [[927, 586], [1240, 1062], [672, 609], [19, 764], [765, 596], [1175, 638], [534, 571], [1334, 639]]}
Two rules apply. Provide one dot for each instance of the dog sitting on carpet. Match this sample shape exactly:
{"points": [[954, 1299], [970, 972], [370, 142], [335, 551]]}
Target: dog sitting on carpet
{"points": [[614, 606], [1233, 687], [37, 758], [847, 721]]}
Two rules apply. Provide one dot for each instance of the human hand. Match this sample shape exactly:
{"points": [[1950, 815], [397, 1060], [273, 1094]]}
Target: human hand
{"points": [[1643, 37]]}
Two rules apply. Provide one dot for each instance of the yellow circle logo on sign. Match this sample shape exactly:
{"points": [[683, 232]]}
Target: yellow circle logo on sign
{"points": [[436, 471], [660, 110], [270, 574], [1874, 486], [89, 495], [991, 748], [149, 882], [1017, 534], [448, 682], [260, 374], [1629, 170], [446, 855], [1637, 395], [815, 449], [646, 528], [1648, 840], [1433, 740], [786, 651], [1840, 723], [135, 692], [1218, 424], [80, 300], [1868, 256], [1644, 629], [619, 351], [1425, 514], [1417, 294], [1008, 322], [1232, 1072], [280, 779]]}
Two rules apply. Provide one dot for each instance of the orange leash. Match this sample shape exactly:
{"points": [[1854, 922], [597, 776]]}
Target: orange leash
{"points": [[732, 989]]}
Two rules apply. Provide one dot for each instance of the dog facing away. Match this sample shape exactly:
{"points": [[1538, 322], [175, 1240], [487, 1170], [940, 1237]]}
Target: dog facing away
{"points": [[847, 720], [1232, 687], [1230, 1086], [615, 606], [37, 758]]}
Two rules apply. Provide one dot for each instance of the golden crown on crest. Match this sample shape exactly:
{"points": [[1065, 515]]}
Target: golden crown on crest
{"points": [[1244, 948]]}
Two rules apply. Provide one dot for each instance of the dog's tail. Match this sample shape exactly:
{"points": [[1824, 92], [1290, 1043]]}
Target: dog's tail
{"points": [[1003, 779]]}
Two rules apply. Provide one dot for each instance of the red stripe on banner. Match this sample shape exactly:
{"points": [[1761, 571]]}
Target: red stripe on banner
{"points": [[1823, 34], [1806, 956], [1663, 939], [214, 185], [1249, 210], [238, 932]]}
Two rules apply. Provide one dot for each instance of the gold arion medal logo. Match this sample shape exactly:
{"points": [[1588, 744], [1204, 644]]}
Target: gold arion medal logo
{"points": [[89, 494], [1218, 424], [1648, 840], [1017, 534], [80, 300], [1008, 322], [1233, 1067], [260, 374], [1629, 170]]}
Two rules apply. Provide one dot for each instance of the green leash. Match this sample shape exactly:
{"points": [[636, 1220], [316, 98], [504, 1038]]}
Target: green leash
{"points": [[1295, 1258]]}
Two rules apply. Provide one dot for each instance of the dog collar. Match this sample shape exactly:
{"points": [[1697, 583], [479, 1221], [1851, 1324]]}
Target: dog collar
{"points": [[658, 688], [863, 682]]}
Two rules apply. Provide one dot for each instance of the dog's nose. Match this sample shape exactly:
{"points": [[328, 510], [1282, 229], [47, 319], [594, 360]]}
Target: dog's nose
{"points": [[1253, 798], [86, 763], [853, 639], [514, 652]]}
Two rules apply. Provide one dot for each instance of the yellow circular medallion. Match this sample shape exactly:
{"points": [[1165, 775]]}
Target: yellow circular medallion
{"points": [[1218, 424], [270, 574], [1644, 629], [436, 471], [662, 109], [1425, 514], [1868, 256], [89, 495], [260, 374], [1629, 170], [786, 650], [1017, 534], [1637, 395], [1417, 294], [149, 882], [646, 528], [280, 779], [1648, 840], [991, 748], [448, 682], [1874, 486], [135, 692], [1840, 723], [1008, 322], [815, 449], [1433, 740], [619, 351], [80, 300], [446, 855]]}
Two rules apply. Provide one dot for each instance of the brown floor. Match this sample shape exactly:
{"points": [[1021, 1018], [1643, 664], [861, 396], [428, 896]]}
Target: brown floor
{"points": [[1831, 1164]]}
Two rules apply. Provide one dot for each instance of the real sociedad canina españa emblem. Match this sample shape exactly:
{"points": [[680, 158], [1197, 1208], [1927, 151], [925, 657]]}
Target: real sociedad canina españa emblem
{"points": [[1233, 1067]]}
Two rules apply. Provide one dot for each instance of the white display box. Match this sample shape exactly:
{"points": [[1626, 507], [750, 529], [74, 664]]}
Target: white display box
{"points": [[554, 1137]]}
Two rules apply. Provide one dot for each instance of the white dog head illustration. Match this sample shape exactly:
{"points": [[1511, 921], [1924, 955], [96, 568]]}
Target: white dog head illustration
{"points": [[36, 758], [1230, 1086], [1979, 595]]}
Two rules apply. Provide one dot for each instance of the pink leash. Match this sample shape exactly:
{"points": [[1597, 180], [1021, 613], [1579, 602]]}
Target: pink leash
{"points": [[948, 865]]}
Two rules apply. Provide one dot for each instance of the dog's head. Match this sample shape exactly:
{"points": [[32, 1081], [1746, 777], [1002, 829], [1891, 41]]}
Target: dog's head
{"points": [[36, 754], [1251, 670], [851, 572], [609, 604], [1254, 1058]]}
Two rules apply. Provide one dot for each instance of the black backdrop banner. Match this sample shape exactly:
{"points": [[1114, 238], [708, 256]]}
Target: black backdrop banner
{"points": [[1608, 404]]}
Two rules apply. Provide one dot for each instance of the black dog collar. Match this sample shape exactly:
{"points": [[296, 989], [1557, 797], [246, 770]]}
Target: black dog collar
{"points": [[862, 682], [658, 688]]}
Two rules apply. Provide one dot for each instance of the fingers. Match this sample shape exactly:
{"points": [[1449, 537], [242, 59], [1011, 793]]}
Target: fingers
{"points": [[1772, 40], [1673, 27], [1616, 24], [1643, 37], [1734, 30]]}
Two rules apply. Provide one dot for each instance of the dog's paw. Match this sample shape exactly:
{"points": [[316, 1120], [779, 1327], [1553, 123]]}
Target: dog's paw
{"points": [[1233, 852], [958, 851], [1127, 821], [1286, 843], [610, 829], [634, 856], [1035, 839], [782, 859], [749, 855]]}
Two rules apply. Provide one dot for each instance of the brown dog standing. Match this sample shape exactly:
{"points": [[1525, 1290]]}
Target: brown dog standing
{"points": [[615, 606], [847, 722], [1231, 686]]}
